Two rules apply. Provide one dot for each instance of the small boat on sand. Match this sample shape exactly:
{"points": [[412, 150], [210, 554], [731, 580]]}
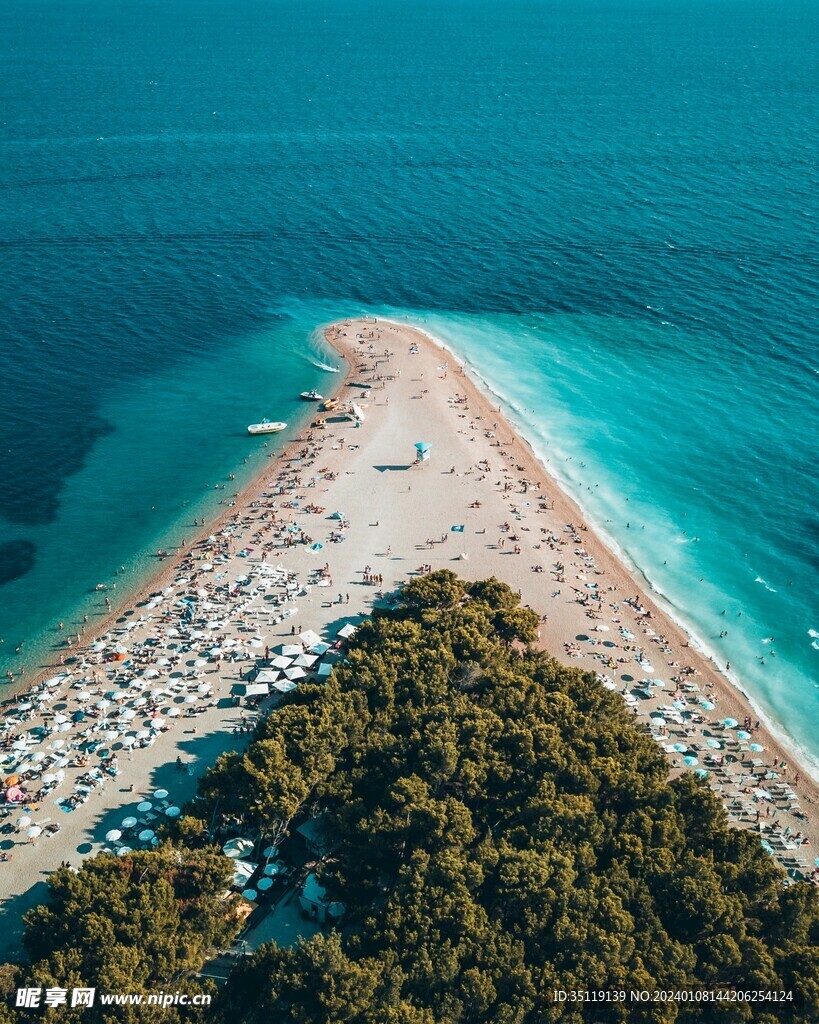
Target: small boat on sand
{"points": [[265, 427], [331, 403], [311, 396]]}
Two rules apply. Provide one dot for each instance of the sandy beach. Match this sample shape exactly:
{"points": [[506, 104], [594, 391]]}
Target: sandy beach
{"points": [[330, 529]]}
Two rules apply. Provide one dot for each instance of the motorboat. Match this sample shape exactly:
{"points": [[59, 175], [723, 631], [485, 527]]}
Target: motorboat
{"points": [[265, 427], [311, 396]]}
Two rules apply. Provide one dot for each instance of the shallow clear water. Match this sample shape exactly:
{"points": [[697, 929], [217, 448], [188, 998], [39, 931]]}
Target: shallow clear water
{"points": [[609, 210]]}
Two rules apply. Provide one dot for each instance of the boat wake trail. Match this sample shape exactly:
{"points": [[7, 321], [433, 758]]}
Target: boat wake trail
{"points": [[323, 366]]}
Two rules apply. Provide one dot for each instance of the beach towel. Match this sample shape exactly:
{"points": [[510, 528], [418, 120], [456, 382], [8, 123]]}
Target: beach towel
{"points": [[458, 529]]}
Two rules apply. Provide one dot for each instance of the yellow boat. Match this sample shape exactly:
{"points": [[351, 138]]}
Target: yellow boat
{"points": [[331, 403]]}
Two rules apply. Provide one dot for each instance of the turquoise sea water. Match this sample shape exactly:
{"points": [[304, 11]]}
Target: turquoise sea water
{"points": [[609, 209]]}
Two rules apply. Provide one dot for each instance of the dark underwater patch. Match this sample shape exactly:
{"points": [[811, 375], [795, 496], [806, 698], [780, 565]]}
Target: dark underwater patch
{"points": [[17, 558], [50, 449]]}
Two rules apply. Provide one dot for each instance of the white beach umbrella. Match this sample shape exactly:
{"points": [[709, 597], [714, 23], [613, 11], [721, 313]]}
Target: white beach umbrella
{"points": [[128, 741], [200, 662], [264, 883], [144, 806], [38, 756], [143, 734], [128, 715], [23, 821], [157, 723], [191, 698], [249, 894], [161, 794], [34, 831], [292, 650], [113, 835], [146, 835], [295, 673], [129, 822], [238, 847], [124, 851], [59, 719], [173, 712], [173, 812]]}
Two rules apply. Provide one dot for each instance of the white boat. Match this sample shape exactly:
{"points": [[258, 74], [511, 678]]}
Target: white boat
{"points": [[265, 427], [311, 396]]}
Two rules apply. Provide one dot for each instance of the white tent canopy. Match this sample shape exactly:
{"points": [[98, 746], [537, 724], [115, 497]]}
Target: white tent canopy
{"points": [[267, 675], [257, 689]]}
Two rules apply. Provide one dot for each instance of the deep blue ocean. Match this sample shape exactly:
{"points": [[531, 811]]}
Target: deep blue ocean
{"points": [[608, 208]]}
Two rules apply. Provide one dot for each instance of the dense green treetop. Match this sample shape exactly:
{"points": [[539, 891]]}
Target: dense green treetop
{"points": [[133, 924], [503, 829]]}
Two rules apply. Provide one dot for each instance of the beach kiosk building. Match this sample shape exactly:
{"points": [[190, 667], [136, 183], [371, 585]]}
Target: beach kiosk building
{"points": [[315, 903], [316, 836]]}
